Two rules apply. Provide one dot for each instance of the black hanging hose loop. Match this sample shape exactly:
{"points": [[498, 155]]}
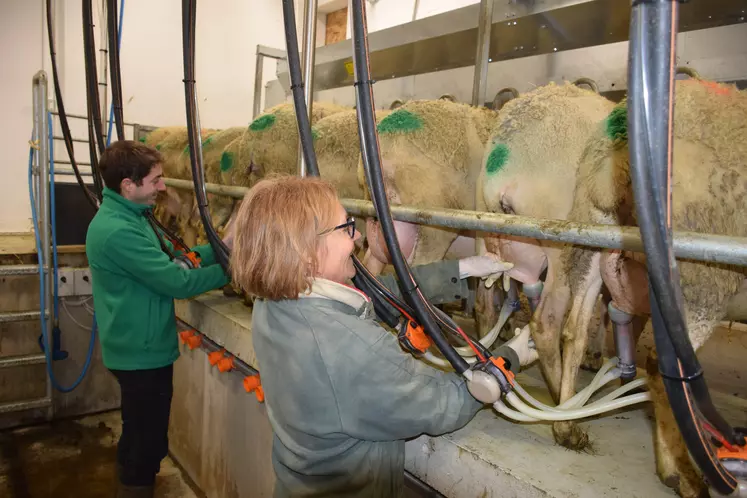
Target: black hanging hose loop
{"points": [[372, 162], [189, 16], [93, 105], [66, 134], [297, 87], [363, 279], [651, 70], [115, 70], [92, 83]]}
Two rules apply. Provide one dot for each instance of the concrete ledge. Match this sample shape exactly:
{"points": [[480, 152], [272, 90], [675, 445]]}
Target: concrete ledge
{"points": [[491, 456], [227, 321]]}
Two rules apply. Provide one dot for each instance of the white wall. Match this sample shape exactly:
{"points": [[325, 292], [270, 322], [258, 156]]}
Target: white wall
{"points": [[388, 13], [152, 72], [21, 56]]}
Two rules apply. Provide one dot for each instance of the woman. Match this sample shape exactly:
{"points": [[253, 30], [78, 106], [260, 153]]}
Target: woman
{"points": [[341, 394]]}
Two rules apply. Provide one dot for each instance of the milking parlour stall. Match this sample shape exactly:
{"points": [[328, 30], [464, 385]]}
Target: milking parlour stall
{"points": [[594, 148]]}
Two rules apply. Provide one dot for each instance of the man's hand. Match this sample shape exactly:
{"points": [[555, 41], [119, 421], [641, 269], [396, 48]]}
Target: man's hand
{"points": [[488, 267]]}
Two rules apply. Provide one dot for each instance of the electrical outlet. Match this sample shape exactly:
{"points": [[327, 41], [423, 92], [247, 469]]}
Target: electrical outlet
{"points": [[66, 282], [83, 282]]}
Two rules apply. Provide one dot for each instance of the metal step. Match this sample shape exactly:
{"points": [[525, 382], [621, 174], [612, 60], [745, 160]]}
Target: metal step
{"points": [[17, 406], [21, 316], [24, 359], [7, 270]]}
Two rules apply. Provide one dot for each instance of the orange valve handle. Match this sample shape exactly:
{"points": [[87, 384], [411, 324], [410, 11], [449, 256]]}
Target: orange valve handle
{"points": [[225, 364], [185, 335], [192, 256], [194, 341], [252, 383], [215, 357], [736, 453], [500, 363], [417, 337]]}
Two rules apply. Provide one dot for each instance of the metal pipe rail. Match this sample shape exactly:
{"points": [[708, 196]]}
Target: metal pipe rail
{"points": [[85, 118], [262, 52], [687, 245], [41, 180], [307, 65]]}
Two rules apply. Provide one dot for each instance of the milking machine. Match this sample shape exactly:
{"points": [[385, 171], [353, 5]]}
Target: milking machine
{"points": [[718, 449], [489, 380], [189, 15]]}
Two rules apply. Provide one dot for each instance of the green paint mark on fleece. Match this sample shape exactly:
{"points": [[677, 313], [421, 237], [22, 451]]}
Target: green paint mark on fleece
{"points": [[226, 161], [262, 122], [400, 121], [204, 143], [617, 123], [497, 159], [158, 147], [314, 134], [142, 140]]}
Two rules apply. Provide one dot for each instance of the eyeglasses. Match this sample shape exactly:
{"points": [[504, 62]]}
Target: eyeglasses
{"points": [[349, 226]]}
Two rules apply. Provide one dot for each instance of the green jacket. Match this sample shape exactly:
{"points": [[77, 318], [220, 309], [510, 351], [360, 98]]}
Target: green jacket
{"points": [[341, 394], [135, 284]]}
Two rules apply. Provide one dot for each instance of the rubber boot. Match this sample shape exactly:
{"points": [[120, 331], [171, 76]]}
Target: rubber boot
{"points": [[135, 491]]}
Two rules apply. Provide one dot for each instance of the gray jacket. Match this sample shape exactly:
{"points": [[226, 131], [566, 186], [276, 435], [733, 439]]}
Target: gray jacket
{"points": [[341, 394]]}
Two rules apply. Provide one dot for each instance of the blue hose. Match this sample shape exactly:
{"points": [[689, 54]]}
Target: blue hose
{"points": [[42, 297], [119, 44]]}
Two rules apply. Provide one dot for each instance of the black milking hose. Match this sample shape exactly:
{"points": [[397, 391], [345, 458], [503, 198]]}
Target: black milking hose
{"points": [[66, 134], [92, 90], [372, 161], [116, 74], [650, 120], [95, 134], [189, 17], [297, 84], [362, 279], [92, 152]]}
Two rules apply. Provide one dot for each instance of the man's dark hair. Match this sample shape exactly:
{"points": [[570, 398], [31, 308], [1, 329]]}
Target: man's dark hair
{"points": [[127, 159]]}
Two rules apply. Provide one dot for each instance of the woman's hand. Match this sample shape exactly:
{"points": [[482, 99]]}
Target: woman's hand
{"points": [[488, 267], [229, 235], [523, 345]]}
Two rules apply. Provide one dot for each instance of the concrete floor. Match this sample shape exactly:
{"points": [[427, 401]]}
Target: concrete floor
{"points": [[74, 458]]}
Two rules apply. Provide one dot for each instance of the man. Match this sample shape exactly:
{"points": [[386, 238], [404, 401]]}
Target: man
{"points": [[134, 286]]}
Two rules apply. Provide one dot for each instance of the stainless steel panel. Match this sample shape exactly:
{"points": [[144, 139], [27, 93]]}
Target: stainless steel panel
{"points": [[448, 40], [718, 54]]}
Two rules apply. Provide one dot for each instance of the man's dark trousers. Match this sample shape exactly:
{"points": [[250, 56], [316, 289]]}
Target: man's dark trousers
{"points": [[146, 406]]}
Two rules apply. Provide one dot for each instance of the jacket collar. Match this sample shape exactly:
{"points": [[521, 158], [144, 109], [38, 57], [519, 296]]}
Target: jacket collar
{"points": [[327, 289], [119, 203]]}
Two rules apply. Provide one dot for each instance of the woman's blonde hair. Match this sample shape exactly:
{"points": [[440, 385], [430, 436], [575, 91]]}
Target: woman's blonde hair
{"points": [[275, 247]]}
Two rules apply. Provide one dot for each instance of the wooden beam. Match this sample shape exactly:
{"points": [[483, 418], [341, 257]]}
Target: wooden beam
{"points": [[17, 243], [337, 23]]}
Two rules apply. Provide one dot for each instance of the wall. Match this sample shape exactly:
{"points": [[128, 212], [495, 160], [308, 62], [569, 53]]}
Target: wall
{"points": [[152, 72], [387, 13], [19, 19]]}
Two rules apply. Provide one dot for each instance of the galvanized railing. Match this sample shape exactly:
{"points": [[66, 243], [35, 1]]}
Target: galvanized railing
{"points": [[687, 245]]}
